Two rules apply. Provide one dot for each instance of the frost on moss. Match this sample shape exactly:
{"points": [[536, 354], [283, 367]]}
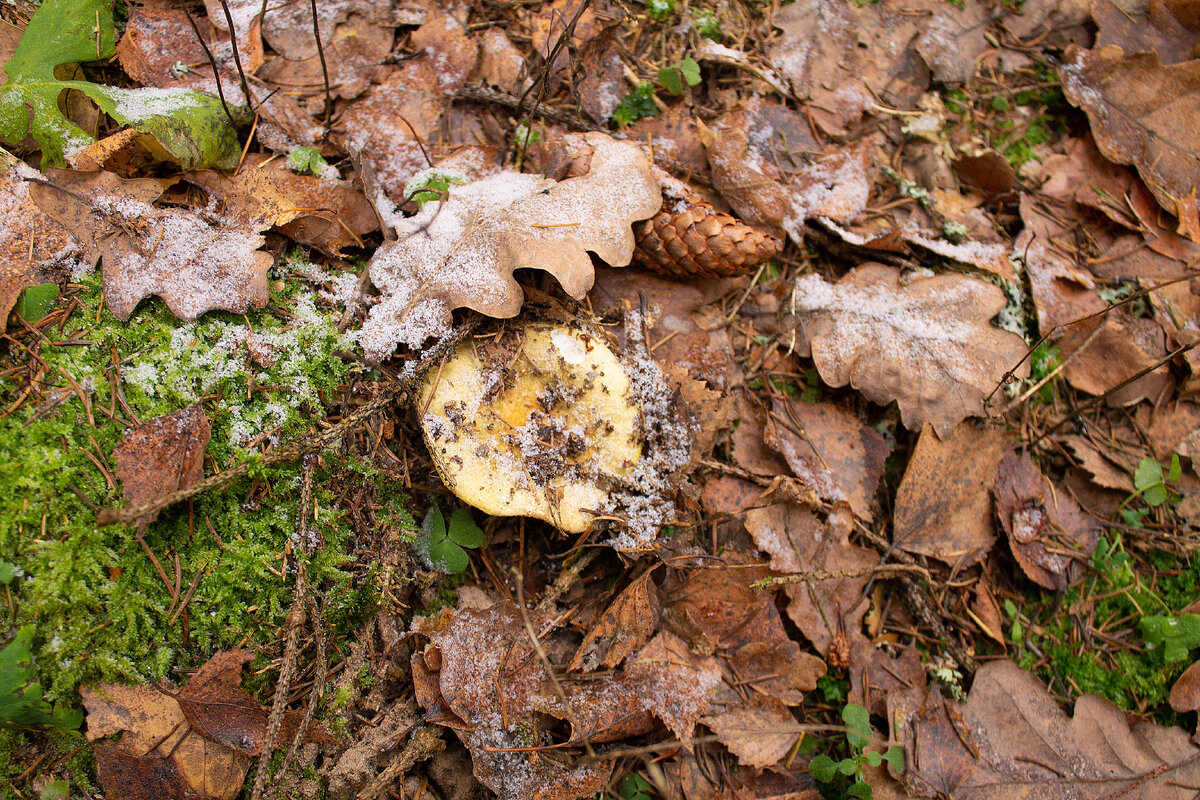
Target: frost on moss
{"points": [[98, 606]]}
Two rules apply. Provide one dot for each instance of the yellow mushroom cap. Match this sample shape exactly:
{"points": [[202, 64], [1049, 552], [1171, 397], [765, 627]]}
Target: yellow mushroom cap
{"points": [[539, 425]]}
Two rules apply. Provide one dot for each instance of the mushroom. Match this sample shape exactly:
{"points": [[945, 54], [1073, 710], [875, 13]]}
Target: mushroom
{"points": [[540, 421]]}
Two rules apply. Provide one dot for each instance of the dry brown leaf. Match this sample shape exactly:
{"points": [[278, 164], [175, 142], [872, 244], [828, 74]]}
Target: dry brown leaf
{"points": [[1061, 287], [247, 29], [758, 729], [1011, 740], [1123, 346], [624, 627], [797, 541], [162, 455], [842, 57], [1043, 524], [288, 28], [354, 50], [194, 265], [31, 242], [1103, 471], [463, 252], [748, 441], [830, 450], [1185, 694], [943, 508], [1171, 425], [500, 62], [927, 343], [159, 748], [327, 213], [1141, 111], [750, 185], [674, 685], [718, 611]]}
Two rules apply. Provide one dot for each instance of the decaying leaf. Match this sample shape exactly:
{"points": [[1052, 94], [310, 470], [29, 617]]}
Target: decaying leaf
{"points": [[1011, 740], [1141, 110], [502, 699], [325, 212], [463, 252], [796, 540], [926, 343], [31, 243], [943, 508], [544, 440], [193, 264], [162, 455], [830, 450], [1050, 536], [624, 627]]}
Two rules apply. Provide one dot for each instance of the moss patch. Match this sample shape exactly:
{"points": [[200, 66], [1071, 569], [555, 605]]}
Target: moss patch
{"points": [[98, 606]]}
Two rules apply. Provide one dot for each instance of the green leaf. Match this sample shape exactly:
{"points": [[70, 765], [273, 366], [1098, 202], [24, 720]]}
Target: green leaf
{"points": [[433, 528], [860, 789], [21, 702], [1155, 495], [306, 160], [822, 768], [8, 571], [860, 725], [463, 529], [895, 758], [690, 71], [190, 125], [448, 557], [848, 766], [55, 790], [1176, 471], [1176, 635], [670, 78], [873, 758], [1148, 473], [35, 302]]}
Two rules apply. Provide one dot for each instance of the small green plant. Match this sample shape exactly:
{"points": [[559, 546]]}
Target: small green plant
{"points": [[443, 544], [306, 161], [525, 136], [660, 10], [1110, 560], [708, 25], [825, 770], [1044, 360], [431, 187], [1150, 481], [36, 302], [633, 787], [674, 76], [1176, 635], [21, 702], [636, 105]]}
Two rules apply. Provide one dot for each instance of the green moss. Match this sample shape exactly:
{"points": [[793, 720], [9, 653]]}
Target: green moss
{"points": [[1114, 598], [99, 609]]}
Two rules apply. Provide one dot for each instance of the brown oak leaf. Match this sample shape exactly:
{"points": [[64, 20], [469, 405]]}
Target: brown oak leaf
{"points": [[193, 264], [462, 252], [926, 343]]}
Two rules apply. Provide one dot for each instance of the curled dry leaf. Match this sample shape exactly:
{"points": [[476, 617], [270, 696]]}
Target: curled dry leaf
{"points": [[1043, 524], [462, 252], [624, 627], [193, 264], [1011, 740], [943, 509], [926, 344], [162, 455]]}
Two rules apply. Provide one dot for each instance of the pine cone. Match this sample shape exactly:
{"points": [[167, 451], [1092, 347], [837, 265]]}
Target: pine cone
{"points": [[690, 238]]}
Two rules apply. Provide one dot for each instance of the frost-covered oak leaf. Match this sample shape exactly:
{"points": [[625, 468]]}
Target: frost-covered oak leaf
{"points": [[194, 264], [926, 343], [462, 252]]}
